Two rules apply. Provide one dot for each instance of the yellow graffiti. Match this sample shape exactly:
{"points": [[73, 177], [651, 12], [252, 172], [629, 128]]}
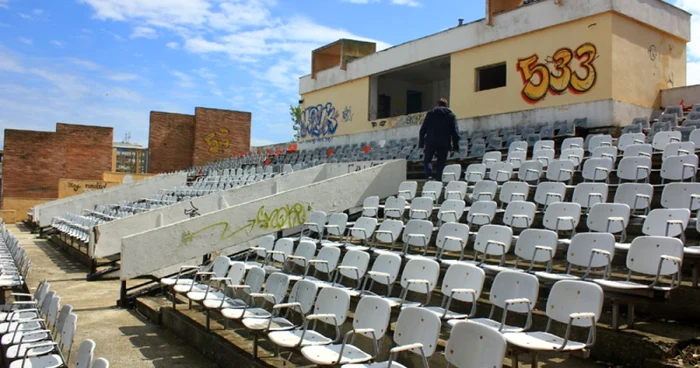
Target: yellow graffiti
{"points": [[217, 145], [284, 217]]}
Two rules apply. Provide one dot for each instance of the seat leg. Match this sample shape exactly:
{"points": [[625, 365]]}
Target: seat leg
{"points": [[533, 359], [695, 275], [630, 316], [615, 314]]}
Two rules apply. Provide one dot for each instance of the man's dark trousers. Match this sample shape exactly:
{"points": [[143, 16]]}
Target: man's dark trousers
{"points": [[441, 153]]}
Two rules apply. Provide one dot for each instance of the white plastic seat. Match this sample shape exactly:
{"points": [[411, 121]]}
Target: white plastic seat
{"points": [[669, 222], [407, 189], [544, 144], [634, 168], [678, 149], [487, 347], [100, 363], [681, 195], [637, 196], [274, 292], [86, 352], [370, 206], [562, 216], [605, 152], [590, 194], [530, 171], [451, 172], [362, 230], [516, 158], [638, 150], [235, 275], [491, 158], [394, 207], [574, 154], [452, 237], [332, 305], [388, 233], [533, 246], [48, 353], [560, 170], [432, 189], [597, 169], [315, 224], [371, 321], [462, 282], [305, 252], [484, 190], [421, 208], [513, 191], [570, 302], [284, 248], [491, 240], [420, 275], [455, 190], [545, 156], [481, 213], [599, 140], [517, 146], [264, 245], [550, 192], [573, 142], [219, 268], [451, 210], [663, 138], [511, 291], [519, 214], [679, 168], [301, 300], [695, 137], [385, 271], [589, 251], [611, 218], [475, 173], [253, 284], [654, 256], [325, 262], [630, 139], [337, 223], [500, 172], [353, 267]]}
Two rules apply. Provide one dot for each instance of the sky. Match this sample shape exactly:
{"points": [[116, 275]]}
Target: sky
{"points": [[111, 62]]}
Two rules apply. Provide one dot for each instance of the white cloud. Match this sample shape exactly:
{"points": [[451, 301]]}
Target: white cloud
{"points": [[3, 3], [412, 3], [205, 73], [360, 1], [693, 47], [86, 64], [144, 32], [122, 77], [172, 45], [56, 43], [38, 11], [185, 80], [25, 40], [216, 92], [257, 142]]}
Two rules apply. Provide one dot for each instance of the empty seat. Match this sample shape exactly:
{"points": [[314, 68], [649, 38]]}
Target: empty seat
{"points": [[637, 196], [530, 171], [451, 172], [475, 173], [597, 169], [590, 194], [362, 230], [394, 207], [611, 218], [421, 208], [455, 190], [487, 347], [562, 216], [462, 283], [484, 190], [407, 189], [519, 214], [599, 140], [638, 150], [574, 154], [587, 251], [573, 142], [385, 270], [545, 156], [678, 149], [481, 213], [451, 210], [663, 138], [500, 172], [634, 168], [560, 170], [452, 237], [513, 191], [681, 195], [629, 139], [432, 189], [550, 192], [420, 275], [679, 168]]}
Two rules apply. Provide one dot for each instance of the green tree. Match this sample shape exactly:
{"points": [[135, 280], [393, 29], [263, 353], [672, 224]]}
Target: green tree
{"points": [[295, 114]]}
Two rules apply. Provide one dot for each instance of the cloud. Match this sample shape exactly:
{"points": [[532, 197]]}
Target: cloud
{"points": [[185, 80], [3, 3], [144, 32], [693, 47], [257, 142], [38, 11], [85, 64], [122, 77], [56, 43], [412, 3], [205, 73], [360, 1], [25, 40], [172, 45]]}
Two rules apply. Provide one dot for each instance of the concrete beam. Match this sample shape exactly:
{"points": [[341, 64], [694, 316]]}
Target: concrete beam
{"points": [[155, 249], [108, 241], [44, 212]]}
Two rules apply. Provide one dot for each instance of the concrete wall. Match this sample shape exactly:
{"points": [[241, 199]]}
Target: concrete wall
{"points": [[124, 178], [219, 134], [645, 62], [126, 192], [342, 109], [673, 96], [72, 187], [223, 229], [170, 138]]}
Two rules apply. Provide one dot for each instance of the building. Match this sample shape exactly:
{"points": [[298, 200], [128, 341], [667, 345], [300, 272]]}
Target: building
{"points": [[129, 158], [525, 62]]}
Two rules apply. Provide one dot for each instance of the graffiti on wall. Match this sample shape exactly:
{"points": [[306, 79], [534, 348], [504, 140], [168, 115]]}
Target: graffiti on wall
{"points": [[319, 121], [399, 121], [217, 142], [347, 114], [283, 217], [566, 70]]}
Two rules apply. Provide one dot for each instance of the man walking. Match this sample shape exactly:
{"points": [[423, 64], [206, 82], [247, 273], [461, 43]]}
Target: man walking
{"points": [[439, 129]]}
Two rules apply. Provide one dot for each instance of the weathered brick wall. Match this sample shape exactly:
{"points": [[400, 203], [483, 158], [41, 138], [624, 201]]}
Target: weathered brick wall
{"points": [[88, 150], [32, 164], [219, 134], [170, 141]]}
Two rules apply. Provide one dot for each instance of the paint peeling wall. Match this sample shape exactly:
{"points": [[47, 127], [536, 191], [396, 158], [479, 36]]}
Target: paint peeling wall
{"points": [[646, 61]]}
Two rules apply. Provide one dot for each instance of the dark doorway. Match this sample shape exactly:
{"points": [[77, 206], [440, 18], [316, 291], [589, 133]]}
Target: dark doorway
{"points": [[384, 108], [414, 102]]}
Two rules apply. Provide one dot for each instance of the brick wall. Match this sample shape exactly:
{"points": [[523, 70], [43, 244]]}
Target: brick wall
{"points": [[170, 141], [32, 164], [219, 134], [88, 150]]}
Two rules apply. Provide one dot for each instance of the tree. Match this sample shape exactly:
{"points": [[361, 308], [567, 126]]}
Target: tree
{"points": [[295, 114]]}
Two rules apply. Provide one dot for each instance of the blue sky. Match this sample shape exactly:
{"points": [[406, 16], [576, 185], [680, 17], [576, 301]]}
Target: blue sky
{"points": [[111, 62]]}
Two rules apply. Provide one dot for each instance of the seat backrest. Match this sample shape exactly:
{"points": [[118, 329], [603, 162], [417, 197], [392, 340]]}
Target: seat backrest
{"points": [[530, 239], [485, 190], [364, 228], [695, 137], [255, 279], [372, 312], [306, 249], [335, 301], [394, 207], [661, 222], [515, 211], [451, 210], [645, 253], [679, 167], [370, 206], [663, 138], [452, 236], [514, 285], [606, 217], [597, 169], [451, 172], [100, 363], [220, 266], [387, 263], [493, 233], [573, 142], [455, 190], [418, 325], [599, 140], [638, 150], [582, 245], [501, 171], [316, 220], [68, 331], [463, 276], [482, 212], [572, 296], [560, 170], [340, 220], [559, 216], [276, 285], [421, 208], [475, 172], [633, 195], [487, 346], [517, 146], [395, 226], [590, 194], [304, 292], [516, 158], [330, 255], [605, 152], [266, 242], [357, 259], [543, 144], [550, 192], [420, 269], [678, 149], [634, 167], [236, 272], [545, 155], [630, 139], [432, 189], [514, 191], [408, 189], [284, 245], [491, 158], [681, 195], [530, 170]]}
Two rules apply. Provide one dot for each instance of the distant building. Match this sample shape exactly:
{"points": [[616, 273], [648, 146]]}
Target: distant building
{"points": [[129, 158]]}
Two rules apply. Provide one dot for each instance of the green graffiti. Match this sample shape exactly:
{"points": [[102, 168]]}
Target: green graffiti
{"points": [[284, 217]]}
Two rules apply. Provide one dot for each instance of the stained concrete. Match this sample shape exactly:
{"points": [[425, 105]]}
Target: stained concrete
{"points": [[124, 337]]}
